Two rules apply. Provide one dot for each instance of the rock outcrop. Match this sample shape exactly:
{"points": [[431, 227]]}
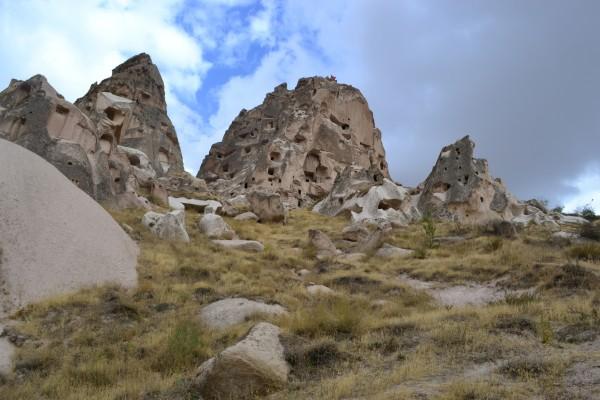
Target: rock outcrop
{"points": [[113, 141], [225, 313], [130, 108], [53, 237], [460, 188], [253, 367], [369, 198], [215, 227], [296, 143]]}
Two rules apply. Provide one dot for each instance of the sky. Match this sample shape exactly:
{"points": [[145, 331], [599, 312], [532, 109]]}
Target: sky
{"points": [[521, 77]]}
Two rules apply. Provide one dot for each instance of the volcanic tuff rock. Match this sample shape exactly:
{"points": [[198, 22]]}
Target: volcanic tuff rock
{"points": [[296, 143], [460, 187], [53, 237], [145, 126]]}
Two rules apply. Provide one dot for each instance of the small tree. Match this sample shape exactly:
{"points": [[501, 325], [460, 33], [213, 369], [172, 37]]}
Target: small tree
{"points": [[558, 209], [588, 213]]}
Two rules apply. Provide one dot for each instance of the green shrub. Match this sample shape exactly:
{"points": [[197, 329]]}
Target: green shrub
{"points": [[588, 251], [184, 348], [429, 229]]}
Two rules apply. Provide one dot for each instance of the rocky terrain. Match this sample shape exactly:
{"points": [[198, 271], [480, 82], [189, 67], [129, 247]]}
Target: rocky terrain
{"points": [[291, 267]]}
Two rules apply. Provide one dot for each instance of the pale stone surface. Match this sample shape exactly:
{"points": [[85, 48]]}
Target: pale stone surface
{"points": [[389, 251], [141, 165], [54, 238], [247, 216], [225, 313], [169, 226], [244, 245], [296, 142], [267, 206], [319, 290], [215, 227], [7, 351], [253, 367], [355, 233], [351, 257]]}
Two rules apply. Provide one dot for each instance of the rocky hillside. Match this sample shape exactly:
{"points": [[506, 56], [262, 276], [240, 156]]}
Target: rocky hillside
{"points": [[293, 267]]}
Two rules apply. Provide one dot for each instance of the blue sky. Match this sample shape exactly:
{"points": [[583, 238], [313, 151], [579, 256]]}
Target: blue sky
{"points": [[521, 77]]}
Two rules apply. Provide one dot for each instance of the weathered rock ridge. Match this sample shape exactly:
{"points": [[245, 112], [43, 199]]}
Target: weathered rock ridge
{"points": [[296, 143], [143, 125], [117, 139]]}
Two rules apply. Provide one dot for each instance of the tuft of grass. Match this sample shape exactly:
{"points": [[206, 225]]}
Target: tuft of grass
{"points": [[587, 251], [184, 348]]}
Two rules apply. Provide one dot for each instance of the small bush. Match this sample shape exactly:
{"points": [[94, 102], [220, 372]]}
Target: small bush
{"points": [[590, 231], [334, 316], [493, 244], [588, 251], [184, 348], [429, 229], [526, 368], [574, 277]]}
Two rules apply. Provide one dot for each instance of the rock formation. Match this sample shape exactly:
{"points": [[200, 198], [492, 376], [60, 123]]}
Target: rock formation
{"points": [[130, 108], [369, 197], [296, 143], [115, 141], [460, 187], [53, 237]]}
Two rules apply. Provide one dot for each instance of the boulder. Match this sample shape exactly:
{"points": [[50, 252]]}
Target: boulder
{"points": [[389, 251], [225, 313], [247, 216], [296, 142], [54, 238], [182, 203], [215, 227], [322, 244], [355, 233], [145, 125], [319, 290], [159, 194], [169, 226], [141, 165], [267, 206], [243, 245], [235, 206], [372, 242], [369, 198], [253, 367]]}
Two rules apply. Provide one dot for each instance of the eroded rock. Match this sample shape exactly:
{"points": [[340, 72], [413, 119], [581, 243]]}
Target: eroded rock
{"points": [[215, 227], [296, 142], [169, 226], [253, 367]]}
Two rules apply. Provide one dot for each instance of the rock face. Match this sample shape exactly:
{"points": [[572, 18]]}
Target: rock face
{"points": [[143, 124], [54, 238], [460, 187], [267, 206], [369, 197], [116, 139], [253, 367], [228, 312], [296, 143]]}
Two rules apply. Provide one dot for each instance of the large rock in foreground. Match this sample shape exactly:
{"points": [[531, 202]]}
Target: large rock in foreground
{"points": [[53, 237], [253, 367], [296, 143]]}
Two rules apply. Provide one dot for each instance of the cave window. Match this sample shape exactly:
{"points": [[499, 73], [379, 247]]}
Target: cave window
{"points": [[246, 185], [466, 178], [62, 109], [275, 156], [70, 162], [457, 151], [376, 178], [299, 192], [219, 156], [279, 180], [271, 171], [341, 200], [299, 203], [381, 165], [106, 143], [226, 168], [247, 150], [111, 113], [481, 199], [253, 179], [134, 160], [117, 180], [459, 167]]}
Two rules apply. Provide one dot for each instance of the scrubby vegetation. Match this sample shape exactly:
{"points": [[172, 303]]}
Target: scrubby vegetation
{"points": [[377, 337]]}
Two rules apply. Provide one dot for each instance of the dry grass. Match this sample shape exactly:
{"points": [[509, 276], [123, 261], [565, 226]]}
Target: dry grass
{"points": [[375, 339]]}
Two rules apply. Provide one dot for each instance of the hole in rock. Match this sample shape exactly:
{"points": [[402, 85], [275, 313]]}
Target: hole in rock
{"points": [[134, 160], [62, 109], [481, 199], [275, 156], [271, 171], [466, 178], [69, 162]]}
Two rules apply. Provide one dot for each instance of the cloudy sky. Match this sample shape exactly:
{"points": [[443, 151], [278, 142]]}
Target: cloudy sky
{"points": [[522, 77]]}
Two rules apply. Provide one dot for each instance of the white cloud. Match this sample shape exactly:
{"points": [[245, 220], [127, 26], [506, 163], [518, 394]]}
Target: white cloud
{"points": [[588, 191]]}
